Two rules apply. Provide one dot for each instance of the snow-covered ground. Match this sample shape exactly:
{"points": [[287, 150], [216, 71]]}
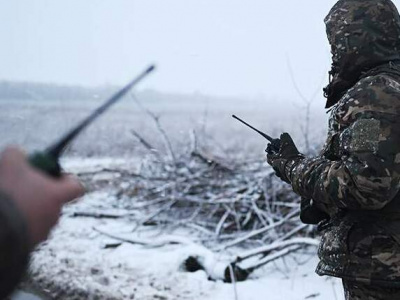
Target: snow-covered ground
{"points": [[79, 262]]}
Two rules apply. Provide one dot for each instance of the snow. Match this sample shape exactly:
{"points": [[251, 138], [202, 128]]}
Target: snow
{"points": [[94, 164], [75, 264]]}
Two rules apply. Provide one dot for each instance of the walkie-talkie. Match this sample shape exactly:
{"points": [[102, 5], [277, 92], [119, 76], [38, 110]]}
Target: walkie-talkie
{"points": [[48, 160], [275, 143]]}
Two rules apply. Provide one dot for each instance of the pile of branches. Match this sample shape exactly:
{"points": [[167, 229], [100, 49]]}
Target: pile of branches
{"points": [[231, 203], [239, 206], [228, 202]]}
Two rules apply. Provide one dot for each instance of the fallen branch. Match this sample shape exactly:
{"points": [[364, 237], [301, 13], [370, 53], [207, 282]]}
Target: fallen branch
{"points": [[259, 231], [233, 271], [272, 257], [277, 245], [152, 243], [142, 140], [100, 215], [211, 160]]}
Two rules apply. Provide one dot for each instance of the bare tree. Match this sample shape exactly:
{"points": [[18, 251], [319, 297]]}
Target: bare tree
{"points": [[306, 105]]}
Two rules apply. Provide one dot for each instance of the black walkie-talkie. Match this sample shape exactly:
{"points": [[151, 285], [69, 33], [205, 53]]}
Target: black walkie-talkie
{"points": [[48, 160], [274, 142]]}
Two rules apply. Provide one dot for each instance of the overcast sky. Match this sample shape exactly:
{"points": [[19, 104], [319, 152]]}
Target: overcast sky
{"points": [[215, 47]]}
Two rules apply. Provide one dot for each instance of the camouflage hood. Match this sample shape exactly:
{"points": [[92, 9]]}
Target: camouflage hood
{"points": [[363, 34]]}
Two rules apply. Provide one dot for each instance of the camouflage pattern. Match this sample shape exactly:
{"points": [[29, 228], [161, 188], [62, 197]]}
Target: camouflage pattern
{"points": [[357, 291], [356, 179], [363, 34]]}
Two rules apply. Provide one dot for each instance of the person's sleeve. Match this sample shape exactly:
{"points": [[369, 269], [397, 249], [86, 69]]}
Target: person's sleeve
{"points": [[367, 175], [14, 246]]}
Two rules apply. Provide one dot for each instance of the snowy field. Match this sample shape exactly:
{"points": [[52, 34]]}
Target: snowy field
{"points": [[36, 124], [80, 261]]}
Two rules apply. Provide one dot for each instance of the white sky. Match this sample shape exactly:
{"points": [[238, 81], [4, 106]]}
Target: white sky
{"points": [[216, 47]]}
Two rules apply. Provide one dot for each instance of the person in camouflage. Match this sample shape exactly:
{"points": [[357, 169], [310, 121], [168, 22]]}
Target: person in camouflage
{"points": [[353, 185]]}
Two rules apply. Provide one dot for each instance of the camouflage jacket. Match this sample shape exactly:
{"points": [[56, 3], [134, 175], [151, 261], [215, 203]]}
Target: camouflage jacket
{"points": [[14, 246], [356, 179], [358, 175]]}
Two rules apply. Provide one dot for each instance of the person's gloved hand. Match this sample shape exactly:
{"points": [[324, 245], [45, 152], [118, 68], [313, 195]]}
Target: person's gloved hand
{"points": [[310, 213], [284, 158]]}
